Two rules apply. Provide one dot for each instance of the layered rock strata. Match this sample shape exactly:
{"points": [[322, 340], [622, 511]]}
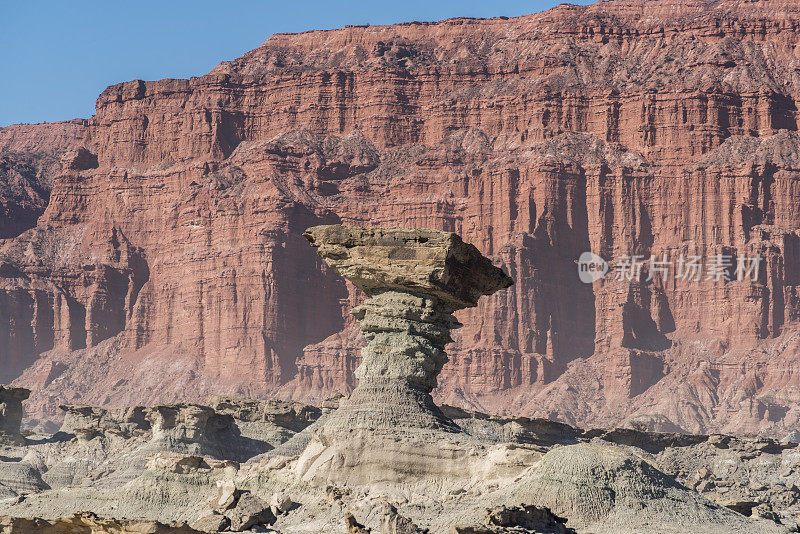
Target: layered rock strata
{"points": [[167, 255], [506, 475], [414, 281]]}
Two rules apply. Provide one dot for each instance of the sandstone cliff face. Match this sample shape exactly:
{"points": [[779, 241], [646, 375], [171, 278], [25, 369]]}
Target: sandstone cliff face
{"points": [[169, 261]]}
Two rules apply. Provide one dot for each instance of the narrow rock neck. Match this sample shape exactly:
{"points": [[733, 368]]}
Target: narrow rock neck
{"points": [[406, 336]]}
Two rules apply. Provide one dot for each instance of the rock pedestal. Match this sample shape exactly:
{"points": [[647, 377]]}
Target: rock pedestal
{"points": [[415, 280], [406, 336], [11, 412]]}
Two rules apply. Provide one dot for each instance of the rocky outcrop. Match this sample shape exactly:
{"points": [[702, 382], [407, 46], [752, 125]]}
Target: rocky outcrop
{"points": [[625, 128], [25, 183], [414, 280], [235, 429], [525, 518], [271, 422], [88, 523], [608, 490], [493, 475], [88, 421], [291, 415], [11, 412]]}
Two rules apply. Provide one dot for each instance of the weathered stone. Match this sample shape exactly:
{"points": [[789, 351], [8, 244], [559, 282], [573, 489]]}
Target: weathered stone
{"points": [[79, 159], [523, 518], [281, 502], [352, 526], [226, 495], [190, 428], [742, 506], [392, 522], [83, 522], [291, 415], [603, 488], [528, 517], [210, 521], [87, 422], [11, 412], [415, 280], [248, 511], [176, 463], [418, 261]]}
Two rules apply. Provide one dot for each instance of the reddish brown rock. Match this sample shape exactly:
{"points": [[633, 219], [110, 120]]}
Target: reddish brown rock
{"points": [[176, 267]]}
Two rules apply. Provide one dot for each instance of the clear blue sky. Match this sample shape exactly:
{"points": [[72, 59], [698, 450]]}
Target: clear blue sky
{"points": [[58, 55]]}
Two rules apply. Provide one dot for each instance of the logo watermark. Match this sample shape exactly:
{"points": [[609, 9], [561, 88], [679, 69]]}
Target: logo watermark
{"points": [[694, 268], [591, 267]]}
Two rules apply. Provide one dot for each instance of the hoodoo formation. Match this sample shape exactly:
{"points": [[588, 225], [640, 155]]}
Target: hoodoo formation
{"points": [[414, 281]]}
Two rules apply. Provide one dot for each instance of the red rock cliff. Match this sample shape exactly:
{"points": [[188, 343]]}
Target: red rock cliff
{"points": [[168, 262]]}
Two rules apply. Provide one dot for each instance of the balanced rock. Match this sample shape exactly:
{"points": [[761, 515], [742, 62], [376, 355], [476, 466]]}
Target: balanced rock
{"points": [[425, 262], [415, 280]]}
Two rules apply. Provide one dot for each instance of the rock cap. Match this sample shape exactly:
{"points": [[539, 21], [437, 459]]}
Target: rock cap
{"points": [[13, 393], [430, 262]]}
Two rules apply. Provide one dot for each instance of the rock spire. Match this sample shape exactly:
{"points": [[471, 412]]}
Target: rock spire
{"points": [[415, 279]]}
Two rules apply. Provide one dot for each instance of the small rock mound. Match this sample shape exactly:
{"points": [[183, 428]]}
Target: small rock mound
{"points": [[605, 489], [522, 519]]}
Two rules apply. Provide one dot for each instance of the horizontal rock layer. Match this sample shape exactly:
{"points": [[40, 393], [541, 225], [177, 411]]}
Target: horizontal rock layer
{"points": [[168, 261]]}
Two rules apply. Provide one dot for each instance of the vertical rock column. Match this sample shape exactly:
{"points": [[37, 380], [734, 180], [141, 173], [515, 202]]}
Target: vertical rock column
{"points": [[11, 414], [406, 336], [415, 279]]}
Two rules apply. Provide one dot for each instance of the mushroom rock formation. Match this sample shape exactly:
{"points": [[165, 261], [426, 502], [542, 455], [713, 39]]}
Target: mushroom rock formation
{"points": [[11, 413], [415, 279]]}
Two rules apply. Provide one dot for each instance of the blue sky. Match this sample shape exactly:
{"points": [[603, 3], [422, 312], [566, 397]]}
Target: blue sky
{"points": [[57, 55]]}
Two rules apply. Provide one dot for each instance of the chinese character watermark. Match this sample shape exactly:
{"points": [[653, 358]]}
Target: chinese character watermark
{"points": [[688, 268]]}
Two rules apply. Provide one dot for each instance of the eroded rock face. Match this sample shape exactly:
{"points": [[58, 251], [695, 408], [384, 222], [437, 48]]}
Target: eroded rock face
{"points": [[498, 474], [629, 127], [415, 279], [89, 421]]}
